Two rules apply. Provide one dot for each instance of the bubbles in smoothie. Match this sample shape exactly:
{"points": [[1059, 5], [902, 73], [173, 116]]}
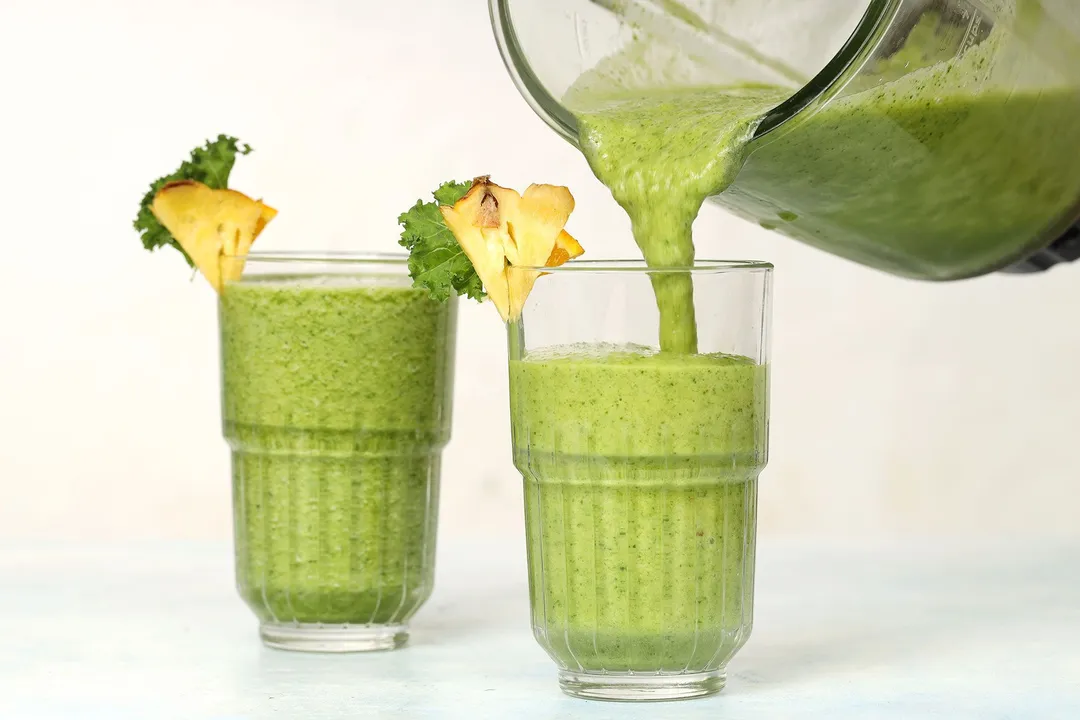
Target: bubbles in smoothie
{"points": [[590, 351], [329, 280]]}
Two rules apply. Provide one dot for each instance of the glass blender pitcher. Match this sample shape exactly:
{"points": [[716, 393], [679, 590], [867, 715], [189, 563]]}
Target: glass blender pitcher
{"points": [[931, 139]]}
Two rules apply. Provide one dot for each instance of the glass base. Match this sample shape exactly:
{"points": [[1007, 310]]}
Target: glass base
{"points": [[641, 687], [316, 637]]}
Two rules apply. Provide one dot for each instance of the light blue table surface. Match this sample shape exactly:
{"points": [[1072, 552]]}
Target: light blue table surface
{"points": [[900, 630]]}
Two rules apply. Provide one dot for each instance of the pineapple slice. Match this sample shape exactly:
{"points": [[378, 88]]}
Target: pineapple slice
{"points": [[477, 225], [566, 249], [211, 225], [507, 236]]}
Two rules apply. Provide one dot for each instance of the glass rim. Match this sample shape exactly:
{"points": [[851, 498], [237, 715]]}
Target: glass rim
{"points": [[640, 266], [323, 256]]}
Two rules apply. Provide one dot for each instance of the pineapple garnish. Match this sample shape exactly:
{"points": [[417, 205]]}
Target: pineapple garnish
{"points": [[211, 225], [508, 236]]}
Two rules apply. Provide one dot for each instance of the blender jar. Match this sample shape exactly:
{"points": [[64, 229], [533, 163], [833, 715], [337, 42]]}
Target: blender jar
{"points": [[931, 139]]}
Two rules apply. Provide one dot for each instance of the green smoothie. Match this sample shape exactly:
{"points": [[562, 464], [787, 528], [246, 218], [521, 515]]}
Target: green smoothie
{"points": [[640, 476], [941, 173], [336, 402]]}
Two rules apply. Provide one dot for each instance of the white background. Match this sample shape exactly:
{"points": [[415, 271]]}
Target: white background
{"points": [[898, 407]]}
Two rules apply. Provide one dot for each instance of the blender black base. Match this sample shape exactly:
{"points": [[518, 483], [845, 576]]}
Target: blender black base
{"points": [[1065, 249]]}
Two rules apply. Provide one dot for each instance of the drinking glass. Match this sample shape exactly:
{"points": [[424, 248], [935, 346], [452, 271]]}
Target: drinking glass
{"points": [[640, 471], [336, 398]]}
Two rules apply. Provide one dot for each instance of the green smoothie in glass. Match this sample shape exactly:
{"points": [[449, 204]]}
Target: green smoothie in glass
{"points": [[336, 399], [640, 497], [640, 470], [336, 403]]}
